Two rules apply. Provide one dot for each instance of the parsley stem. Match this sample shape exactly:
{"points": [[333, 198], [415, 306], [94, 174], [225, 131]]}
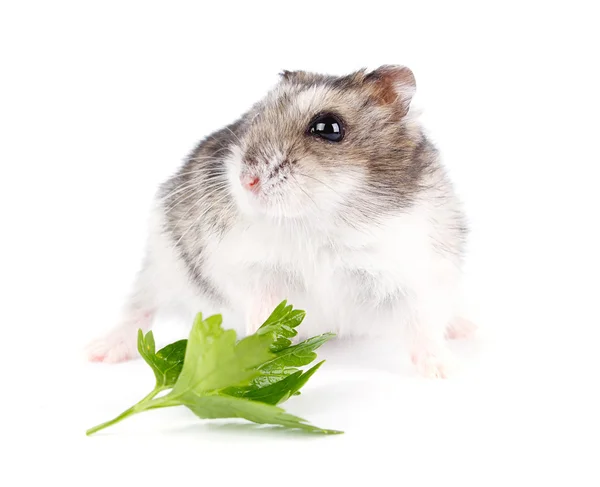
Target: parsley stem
{"points": [[140, 406]]}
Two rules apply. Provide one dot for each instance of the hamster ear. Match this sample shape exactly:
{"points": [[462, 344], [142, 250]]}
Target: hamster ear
{"points": [[285, 74], [392, 85], [290, 75]]}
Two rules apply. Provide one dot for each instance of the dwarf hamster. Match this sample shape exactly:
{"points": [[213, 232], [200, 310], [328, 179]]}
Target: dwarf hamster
{"points": [[327, 193]]}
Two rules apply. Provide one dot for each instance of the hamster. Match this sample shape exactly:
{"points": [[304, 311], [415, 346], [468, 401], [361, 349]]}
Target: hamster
{"points": [[327, 193]]}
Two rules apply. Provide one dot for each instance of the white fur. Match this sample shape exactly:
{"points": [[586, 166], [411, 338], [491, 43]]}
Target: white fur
{"points": [[351, 282], [397, 258], [386, 278]]}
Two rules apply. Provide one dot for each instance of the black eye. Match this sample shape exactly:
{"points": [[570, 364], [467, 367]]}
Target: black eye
{"points": [[328, 127]]}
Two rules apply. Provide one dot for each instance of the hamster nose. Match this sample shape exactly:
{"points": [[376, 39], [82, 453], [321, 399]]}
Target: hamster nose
{"points": [[250, 182]]}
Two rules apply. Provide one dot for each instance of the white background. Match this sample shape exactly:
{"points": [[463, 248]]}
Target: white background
{"points": [[100, 101]]}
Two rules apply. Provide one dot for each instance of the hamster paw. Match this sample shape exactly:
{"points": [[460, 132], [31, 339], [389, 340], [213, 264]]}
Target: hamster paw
{"points": [[433, 365], [460, 328], [115, 347], [120, 344]]}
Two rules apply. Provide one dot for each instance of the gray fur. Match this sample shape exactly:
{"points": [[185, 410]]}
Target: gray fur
{"points": [[402, 165]]}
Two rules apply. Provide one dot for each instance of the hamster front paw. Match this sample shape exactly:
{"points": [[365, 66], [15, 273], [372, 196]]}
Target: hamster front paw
{"points": [[120, 344], [113, 348]]}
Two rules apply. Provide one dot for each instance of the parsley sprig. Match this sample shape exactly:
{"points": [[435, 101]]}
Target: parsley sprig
{"points": [[217, 376]]}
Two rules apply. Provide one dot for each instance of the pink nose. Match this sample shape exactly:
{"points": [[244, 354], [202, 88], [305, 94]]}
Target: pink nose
{"points": [[249, 182]]}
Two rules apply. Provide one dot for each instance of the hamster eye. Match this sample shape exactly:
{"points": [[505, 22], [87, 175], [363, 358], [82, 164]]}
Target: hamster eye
{"points": [[328, 127]]}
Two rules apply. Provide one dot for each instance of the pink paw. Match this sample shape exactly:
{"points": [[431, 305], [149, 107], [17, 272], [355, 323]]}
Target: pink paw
{"points": [[113, 348], [120, 344], [460, 328], [432, 365]]}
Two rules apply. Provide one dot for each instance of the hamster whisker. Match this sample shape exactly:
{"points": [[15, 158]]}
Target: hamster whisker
{"points": [[305, 192], [204, 198], [201, 169], [192, 192], [191, 182], [200, 159], [207, 159], [301, 223], [204, 158], [195, 190], [342, 203], [235, 135], [319, 181], [199, 217], [180, 189], [208, 171]]}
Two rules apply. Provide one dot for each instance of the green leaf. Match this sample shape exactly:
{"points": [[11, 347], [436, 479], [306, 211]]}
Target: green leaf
{"points": [[280, 377], [272, 376], [278, 313], [213, 407], [272, 393], [276, 392], [166, 363], [214, 360], [282, 322], [217, 376], [296, 355]]}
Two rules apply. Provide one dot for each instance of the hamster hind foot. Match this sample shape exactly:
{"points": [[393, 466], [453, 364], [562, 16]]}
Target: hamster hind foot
{"points": [[433, 363], [120, 344], [460, 328], [432, 358]]}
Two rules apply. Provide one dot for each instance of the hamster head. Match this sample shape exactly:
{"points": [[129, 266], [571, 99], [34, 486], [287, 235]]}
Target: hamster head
{"points": [[318, 146]]}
